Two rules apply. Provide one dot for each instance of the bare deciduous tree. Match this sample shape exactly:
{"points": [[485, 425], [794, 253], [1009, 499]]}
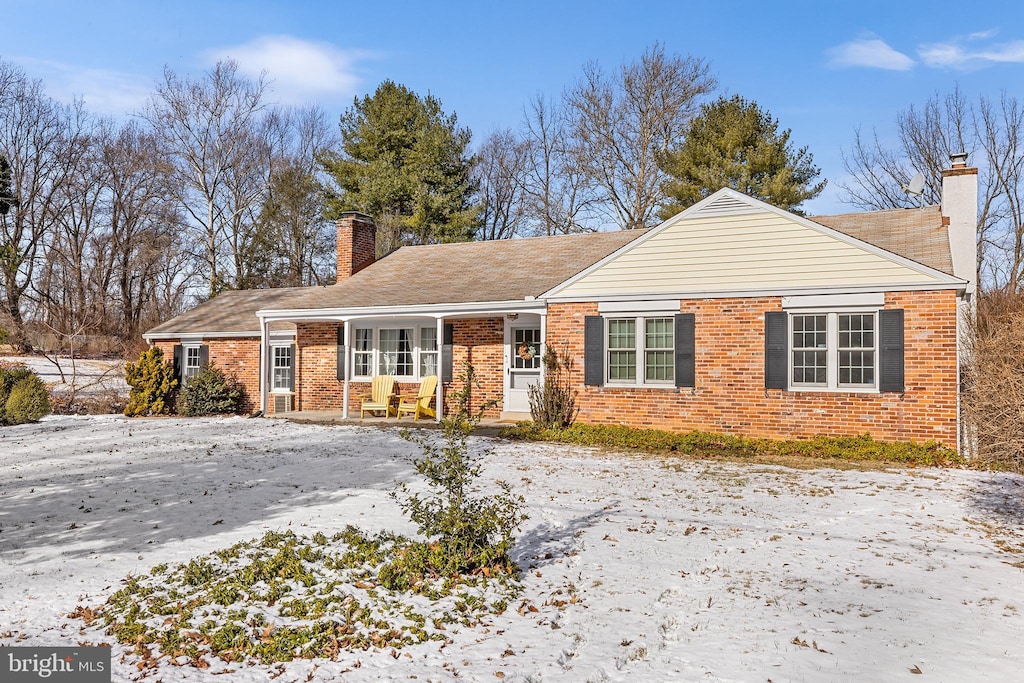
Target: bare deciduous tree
{"points": [[209, 125], [560, 198], [33, 140], [992, 132], [499, 174], [622, 122]]}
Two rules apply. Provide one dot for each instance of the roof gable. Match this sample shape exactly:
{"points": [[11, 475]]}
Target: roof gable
{"points": [[733, 243]]}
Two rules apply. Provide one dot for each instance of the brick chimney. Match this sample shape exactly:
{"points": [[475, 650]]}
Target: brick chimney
{"points": [[960, 213], [357, 243]]}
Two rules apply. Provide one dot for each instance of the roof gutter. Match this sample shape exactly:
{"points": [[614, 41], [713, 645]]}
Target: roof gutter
{"points": [[423, 310]]}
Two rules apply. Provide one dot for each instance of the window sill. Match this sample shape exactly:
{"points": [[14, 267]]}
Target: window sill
{"points": [[835, 390], [672, 387]]}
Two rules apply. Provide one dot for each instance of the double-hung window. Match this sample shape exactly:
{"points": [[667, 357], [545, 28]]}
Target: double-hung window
{"points": [[283, 368], [193, 362], [428, 351], [362, 354], [641, 350], [833, 350]]}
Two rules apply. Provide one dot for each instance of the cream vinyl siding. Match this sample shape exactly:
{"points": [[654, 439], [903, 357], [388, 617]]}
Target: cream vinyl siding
{"points": [[749, 251]]}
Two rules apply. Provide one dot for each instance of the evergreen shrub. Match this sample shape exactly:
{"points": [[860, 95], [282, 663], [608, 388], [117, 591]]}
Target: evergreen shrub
{"points": [[209, 392], [152, 384], [28, 401]]}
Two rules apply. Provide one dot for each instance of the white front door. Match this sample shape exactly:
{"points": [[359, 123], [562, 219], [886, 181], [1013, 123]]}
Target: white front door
{"points": [[522, 365]]}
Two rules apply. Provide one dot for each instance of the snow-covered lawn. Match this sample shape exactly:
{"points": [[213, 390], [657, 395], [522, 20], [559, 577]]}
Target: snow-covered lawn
{"points": [[683, 570], [85, 375]]}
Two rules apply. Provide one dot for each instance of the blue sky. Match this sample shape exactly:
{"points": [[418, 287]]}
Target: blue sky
{"points": [[821, 68]]}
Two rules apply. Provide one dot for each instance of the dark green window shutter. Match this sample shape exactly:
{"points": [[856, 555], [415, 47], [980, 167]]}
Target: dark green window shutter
{"points": [[446, 352], [341, 354], [776, 360], [178, 362], [593, 351], [890, 335], [685, 347], [204, 355], [291, 376]]}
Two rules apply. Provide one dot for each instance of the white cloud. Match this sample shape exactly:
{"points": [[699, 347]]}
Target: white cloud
{"points": [[983, 35], [300, 71], [869, 52], [105, 92], [952, 54]]}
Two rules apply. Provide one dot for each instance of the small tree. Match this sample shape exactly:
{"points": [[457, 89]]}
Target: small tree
{"points": [[553, 402], [152, 384], [469, 531], [209, 392]]}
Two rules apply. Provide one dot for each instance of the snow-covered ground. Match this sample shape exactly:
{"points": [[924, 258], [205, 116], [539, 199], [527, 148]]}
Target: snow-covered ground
{"points": [[683, 570], [85, 375]]}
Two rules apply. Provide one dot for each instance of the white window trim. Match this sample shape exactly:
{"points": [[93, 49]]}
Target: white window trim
{"points": [[832, 384], [185, 347], [416, 327], [273, 347], [640, 338]]}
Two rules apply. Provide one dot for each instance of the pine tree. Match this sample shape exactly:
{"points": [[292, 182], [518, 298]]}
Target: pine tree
{"points": [[404, 162], [734, 143]]}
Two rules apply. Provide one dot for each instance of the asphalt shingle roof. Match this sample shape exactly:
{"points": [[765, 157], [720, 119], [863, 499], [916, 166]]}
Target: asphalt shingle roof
{"points": [[512, 270], [464, 272], [228, 312], [916, 234]]}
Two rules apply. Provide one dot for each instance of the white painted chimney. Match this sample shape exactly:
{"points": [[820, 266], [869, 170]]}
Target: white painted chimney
{"points": [[960, 215]]}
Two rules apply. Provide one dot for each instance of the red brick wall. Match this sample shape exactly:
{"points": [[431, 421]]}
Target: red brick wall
{"points": [[318, 388], [482, 343], [730, 395], [238, 358]]}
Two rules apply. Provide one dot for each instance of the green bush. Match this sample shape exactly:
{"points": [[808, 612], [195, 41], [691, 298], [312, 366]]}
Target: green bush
{"points": [[152, 384], [467, 531], [9, 376], [709, 445], [28, 401], [209, 392], [23, 396]]}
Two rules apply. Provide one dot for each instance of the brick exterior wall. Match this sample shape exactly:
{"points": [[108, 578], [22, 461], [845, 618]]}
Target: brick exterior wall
{"points": [[357, 243], [730, 395], [237, 357], [479, 341]]}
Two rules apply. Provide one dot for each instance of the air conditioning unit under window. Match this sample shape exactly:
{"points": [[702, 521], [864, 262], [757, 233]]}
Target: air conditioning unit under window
{"points": [[284, 403]]}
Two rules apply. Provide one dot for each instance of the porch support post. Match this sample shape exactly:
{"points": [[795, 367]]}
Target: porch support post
{"points": [[348, 367], [264, 351], [543, 347], [440, 370]]}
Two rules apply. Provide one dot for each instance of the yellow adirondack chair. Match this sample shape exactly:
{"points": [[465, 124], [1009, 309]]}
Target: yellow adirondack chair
{"points": [[382, 390], [420, 403]]}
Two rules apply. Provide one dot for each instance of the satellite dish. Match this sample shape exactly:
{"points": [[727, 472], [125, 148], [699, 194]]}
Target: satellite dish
{"points": [[915, 186]]}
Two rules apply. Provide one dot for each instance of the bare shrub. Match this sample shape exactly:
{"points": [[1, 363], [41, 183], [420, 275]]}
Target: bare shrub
{"points": [[553, 402], [993, 405]]}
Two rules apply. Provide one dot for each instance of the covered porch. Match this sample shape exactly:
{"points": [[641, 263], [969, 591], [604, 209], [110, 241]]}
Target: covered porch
{"points": [[337, 353]]}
